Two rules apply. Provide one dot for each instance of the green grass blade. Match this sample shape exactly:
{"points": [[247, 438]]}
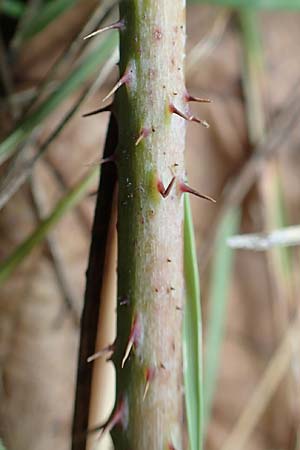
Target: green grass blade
{"points": [[252, 73], [219, 290], [47, 14], [255, 4], [192, 336], [12, 8], [65, 204], [88, 66]]}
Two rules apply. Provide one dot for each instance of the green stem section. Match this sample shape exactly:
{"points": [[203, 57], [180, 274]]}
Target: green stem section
{"points": [[150, 226]]}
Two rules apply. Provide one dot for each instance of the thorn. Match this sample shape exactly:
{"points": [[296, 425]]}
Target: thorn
{"points": [[123, 80], [185, 188], [117, 418], [111, 158], [143, 134], [110, 348], [132, 341], [127, 352], [174, 110], [161, 189], [98, 111], [171, 446], [191, 98], [114, 26], [149, 375]]}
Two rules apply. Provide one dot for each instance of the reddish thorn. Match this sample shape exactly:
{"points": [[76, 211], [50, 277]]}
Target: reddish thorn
{"points": [[185, 188], [171, 446], [119, 417], [202, 122], [174, 110], [111, 158], [114, 26], [134, 336], [98, 111], [110, 348], [161, 189], [143, 134], [149, 375], [123, 80], [191, 98]]}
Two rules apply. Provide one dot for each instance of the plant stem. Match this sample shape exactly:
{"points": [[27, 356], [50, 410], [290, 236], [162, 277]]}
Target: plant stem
{"points": [[150, 226]]}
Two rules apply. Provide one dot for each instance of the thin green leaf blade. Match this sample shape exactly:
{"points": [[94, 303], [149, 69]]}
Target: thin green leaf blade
{"points": [[88, 66], [219, 292], [47, 14], [192, 336], [12, 8], [71, 199]]}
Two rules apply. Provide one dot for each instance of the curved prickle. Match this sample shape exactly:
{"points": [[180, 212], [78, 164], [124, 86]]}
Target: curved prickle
{"points": [[114, 26], [187, 117]]}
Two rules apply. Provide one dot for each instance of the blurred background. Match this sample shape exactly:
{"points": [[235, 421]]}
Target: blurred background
{"points": [[246, 61]]}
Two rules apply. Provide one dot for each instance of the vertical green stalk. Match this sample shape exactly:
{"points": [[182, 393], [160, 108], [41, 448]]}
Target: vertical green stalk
{"points": [[220, 281], [192, 337], [150, 226], [252, 73]]}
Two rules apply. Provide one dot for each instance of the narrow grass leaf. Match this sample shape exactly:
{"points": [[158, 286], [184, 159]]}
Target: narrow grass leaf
{"points": [[88, 66], [192, 336], [71, 199], [219, 292], [47, 14], [12, 8]]}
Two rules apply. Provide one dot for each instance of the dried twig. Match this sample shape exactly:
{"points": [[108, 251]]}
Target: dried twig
{"points": [[71, 302], [273, 375]]}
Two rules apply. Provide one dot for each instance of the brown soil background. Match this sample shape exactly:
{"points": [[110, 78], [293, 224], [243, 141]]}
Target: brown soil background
{"points": [[38, 336]]}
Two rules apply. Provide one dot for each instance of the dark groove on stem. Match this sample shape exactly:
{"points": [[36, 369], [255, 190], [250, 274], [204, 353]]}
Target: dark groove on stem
{"points": [[94, 280]]}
